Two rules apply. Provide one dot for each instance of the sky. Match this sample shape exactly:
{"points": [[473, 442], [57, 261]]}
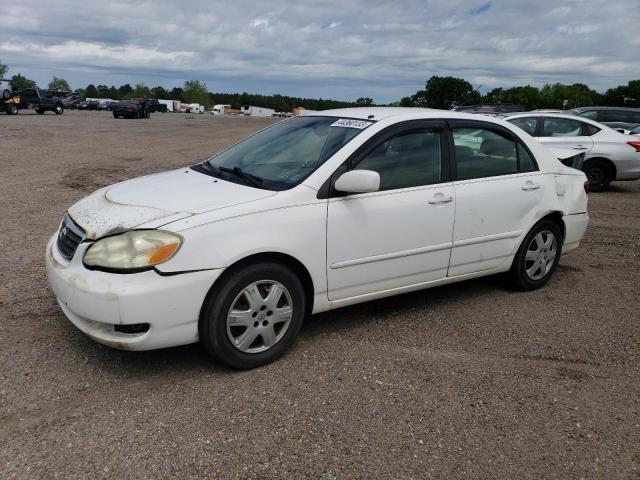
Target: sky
{"points": [[336, 49]]}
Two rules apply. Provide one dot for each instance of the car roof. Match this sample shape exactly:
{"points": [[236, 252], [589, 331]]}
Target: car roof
{"points": [[599, 125], [554, 115], [382, 113], [583, 109]]}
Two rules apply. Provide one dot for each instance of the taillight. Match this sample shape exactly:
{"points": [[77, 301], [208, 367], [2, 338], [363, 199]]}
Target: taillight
{"points": [[635, 145], [587, 186]]}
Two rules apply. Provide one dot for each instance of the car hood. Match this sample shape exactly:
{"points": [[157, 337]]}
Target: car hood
{"points": [[158, 199]]}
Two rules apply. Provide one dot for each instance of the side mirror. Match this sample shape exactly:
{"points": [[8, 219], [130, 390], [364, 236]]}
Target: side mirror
{"points": [[358, 181]]}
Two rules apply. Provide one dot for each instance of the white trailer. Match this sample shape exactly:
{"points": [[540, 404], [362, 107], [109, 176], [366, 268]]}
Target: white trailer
{"points": [[220, 109], [177, 106], [257, 111], [196, 108], [168, 103]]}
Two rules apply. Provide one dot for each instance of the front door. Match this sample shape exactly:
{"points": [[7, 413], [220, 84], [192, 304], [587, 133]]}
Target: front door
{"points": [[400, 235]]}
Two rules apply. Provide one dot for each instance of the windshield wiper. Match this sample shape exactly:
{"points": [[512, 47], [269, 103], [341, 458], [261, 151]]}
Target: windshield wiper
{"points": [[213, 169], [238, 172]]}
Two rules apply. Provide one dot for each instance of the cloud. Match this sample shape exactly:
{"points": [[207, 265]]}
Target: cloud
{"points": [[330, 49]]}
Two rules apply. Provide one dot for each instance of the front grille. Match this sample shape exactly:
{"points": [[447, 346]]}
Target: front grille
{"points": [[69, 237]]}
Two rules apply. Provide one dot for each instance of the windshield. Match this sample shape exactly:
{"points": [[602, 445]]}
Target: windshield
{"points": [[283, 155]]}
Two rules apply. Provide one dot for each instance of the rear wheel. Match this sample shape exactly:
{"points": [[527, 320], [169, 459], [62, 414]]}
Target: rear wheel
{"points": [[59, 109], [11, 109], [39, 111], [253, 316], [599, 174], [6, 94], [538, 256]]}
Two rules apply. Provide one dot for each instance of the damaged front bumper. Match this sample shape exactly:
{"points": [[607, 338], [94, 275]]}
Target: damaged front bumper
{"points": [[97, 302]]}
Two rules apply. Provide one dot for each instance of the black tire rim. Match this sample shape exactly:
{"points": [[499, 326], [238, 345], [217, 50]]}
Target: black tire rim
{"points": [[596, 175]]}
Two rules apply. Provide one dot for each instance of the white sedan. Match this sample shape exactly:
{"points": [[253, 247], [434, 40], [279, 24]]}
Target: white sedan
{"points": [[308, 215], [609, 154]]}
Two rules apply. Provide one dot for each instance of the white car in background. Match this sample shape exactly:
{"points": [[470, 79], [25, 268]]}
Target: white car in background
{"points": [[609, 155], [6, 90], [311, 214]]}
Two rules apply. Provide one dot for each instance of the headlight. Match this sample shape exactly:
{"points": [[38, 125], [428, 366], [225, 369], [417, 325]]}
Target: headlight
{"points": [[133, 250]]}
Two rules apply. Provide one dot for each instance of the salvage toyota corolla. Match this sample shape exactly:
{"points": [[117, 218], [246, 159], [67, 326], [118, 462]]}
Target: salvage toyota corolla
{"points": [[311, 214]]}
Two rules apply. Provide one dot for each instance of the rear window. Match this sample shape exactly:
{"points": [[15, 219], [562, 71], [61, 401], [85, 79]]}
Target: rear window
{"points": [[528, 124], [590, 114]]}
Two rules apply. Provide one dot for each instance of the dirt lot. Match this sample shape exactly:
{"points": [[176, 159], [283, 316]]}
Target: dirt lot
{"points": [[470, 380]]}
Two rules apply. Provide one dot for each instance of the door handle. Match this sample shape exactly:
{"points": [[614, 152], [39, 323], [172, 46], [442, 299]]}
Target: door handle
{"points": [[530, 186], [579, 147], [440, 198]]}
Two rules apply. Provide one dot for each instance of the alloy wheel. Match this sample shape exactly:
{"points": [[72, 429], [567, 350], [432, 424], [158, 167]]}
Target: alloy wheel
{"points": [[259, 316], [541, 255]]}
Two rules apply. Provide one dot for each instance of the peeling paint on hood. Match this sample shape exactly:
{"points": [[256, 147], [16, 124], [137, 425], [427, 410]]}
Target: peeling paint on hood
{"points": [[171, 195]]}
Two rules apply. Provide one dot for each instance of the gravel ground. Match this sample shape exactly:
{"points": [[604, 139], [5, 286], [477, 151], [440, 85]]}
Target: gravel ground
{"points": [[468, 380]]}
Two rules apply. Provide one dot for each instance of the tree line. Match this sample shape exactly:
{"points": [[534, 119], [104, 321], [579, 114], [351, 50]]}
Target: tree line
{"points": [[448, 92], [439, 92]]}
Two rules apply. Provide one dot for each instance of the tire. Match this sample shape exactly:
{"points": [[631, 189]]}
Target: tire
{"points": [[536, 250], [11, 109], [6, 94], [115, 116], [599, 174], [40, 111], [59, 109], [256, 339]]}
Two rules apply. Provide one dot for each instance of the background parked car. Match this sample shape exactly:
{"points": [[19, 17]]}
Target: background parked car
{"points": [[39, 100], [617, 117], [131, 109], [609, 155], [156, 106], [6, 89], [106, 106]]}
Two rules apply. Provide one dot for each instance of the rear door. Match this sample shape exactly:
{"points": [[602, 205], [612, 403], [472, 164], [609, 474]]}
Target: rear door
{"points": [[565, 133], [498, 188]]}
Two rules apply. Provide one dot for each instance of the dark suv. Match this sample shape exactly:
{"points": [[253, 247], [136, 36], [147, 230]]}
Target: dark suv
{"points": [[615, 117], [40, 100], [156, 106]]}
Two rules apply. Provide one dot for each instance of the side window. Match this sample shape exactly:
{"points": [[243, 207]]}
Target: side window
{"points": [[590, 114], [482, 153], [528, 124], [614, 116], [635, 117], [409, 159], [561, 127], [589, 129]]}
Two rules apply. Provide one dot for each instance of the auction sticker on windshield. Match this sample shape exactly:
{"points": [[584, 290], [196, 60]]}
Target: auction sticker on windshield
{"points": [[350, 123]]}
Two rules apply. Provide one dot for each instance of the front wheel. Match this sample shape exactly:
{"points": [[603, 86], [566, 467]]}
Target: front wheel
{"points": [[253, 316], [538, 256], [6, 94], [59, 109], [599, 175], [12, 109], [40, 111]]}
